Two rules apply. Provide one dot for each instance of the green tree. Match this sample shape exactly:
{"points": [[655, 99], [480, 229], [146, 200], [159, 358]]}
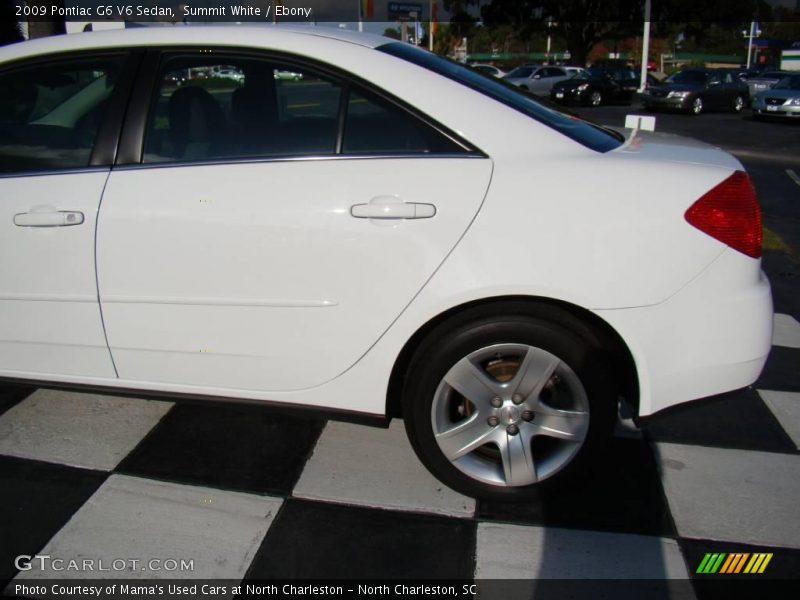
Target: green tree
{"points": [[581, 23]]}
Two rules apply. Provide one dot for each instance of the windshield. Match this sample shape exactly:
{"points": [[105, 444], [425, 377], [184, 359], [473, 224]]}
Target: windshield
{"points": [[788, 83], [584, 132], [692, 77], [583, 75]]}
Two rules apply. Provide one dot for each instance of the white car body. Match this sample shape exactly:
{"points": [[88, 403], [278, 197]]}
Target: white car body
{"points": [[253, 280]]}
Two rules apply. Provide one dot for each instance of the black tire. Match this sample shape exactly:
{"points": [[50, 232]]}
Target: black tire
{"points": [[738, 104], [483, 472], [696, 106]]}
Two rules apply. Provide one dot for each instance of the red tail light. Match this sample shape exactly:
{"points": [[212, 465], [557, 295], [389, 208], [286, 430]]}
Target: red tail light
{"points": [[729, 212]]}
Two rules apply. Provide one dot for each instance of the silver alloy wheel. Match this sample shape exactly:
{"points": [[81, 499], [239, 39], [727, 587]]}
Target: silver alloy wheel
{"points": [[595, 98], [697, 106], [738, 104], [510, 415]]}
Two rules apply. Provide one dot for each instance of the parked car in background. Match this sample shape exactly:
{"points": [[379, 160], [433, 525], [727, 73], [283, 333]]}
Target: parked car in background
{"points": [[488, 69], [596, 86], [698, 90], [763, 81], [233, 74], [782, 100], [293, 244], [537, 79]]}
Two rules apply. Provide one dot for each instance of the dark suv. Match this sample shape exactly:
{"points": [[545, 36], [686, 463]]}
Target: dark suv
{"points": [[696, 90]]}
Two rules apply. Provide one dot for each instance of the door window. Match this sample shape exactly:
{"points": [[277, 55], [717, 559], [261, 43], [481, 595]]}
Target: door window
{"points": [[227, 107], [376, 126], [50, 114]]}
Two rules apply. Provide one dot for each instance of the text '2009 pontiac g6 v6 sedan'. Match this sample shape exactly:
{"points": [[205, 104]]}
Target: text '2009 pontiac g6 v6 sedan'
{"points": [[385, 233]]}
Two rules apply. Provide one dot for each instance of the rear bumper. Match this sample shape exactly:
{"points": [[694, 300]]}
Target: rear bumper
{"points": [[713, 336]]}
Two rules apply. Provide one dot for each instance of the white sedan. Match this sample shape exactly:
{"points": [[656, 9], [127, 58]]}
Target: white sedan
{"points": [[388, 235]]}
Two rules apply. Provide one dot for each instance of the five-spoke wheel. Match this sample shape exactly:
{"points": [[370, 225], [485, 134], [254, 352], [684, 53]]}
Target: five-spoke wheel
{"points": [[510, 414], [498, 406]]}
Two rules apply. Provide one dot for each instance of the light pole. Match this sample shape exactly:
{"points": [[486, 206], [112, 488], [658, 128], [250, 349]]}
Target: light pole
{"points": [[645, 46], [548, 22], [753, 33]]}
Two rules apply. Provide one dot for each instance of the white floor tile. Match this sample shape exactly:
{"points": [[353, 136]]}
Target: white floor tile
{"points": [[521, 552], [786, 408], [375, 467], [81, 430], [132, 519], [732, 495], [786, 331]]}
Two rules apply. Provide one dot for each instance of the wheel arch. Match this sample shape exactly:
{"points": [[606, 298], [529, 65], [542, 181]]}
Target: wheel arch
{"points": [[589, 325]]}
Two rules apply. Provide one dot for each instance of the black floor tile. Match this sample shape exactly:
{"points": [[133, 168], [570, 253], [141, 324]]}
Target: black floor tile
{"points": [[37, 500], [782, 371], [781, 578], [11, 395], [737, 420], [622, 493], [233, 447], [314, 540]]}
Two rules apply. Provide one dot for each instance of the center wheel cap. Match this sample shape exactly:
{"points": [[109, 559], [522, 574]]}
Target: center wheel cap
{"points": [[509, 415]]}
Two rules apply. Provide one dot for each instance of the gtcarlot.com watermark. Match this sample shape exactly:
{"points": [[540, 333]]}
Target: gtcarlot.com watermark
{"points": [[45, 562]]}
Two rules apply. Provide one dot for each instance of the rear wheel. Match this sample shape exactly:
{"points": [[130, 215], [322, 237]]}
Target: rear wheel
{"points": [[502, 406], [738, 104]]}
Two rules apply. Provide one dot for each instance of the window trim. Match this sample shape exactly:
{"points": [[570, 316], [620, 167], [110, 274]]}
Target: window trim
{"points": [[131, 152], [106, 143]]}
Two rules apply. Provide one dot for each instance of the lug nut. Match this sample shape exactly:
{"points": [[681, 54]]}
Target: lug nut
{"points": [[497, 401], [517, 398], [493, 421], [512, 429], [527, 415]]}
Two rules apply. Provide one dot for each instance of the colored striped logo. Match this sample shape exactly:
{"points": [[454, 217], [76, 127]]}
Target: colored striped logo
{"points": [[734, 563]]}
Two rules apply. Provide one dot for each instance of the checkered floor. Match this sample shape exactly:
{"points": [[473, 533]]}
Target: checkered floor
{"points": [[248, 493]]}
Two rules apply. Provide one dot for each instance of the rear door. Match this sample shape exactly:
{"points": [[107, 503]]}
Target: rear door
{"points": [[277, 223], [59, 120], [716, 93]]}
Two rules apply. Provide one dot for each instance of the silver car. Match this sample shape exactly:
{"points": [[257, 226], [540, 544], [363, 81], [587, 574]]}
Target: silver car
{"points": [[764, 81], [537, 79], [782, 100]]}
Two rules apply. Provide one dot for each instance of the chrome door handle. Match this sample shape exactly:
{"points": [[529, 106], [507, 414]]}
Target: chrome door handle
{"points": [[391, 207], [48, 217]]}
